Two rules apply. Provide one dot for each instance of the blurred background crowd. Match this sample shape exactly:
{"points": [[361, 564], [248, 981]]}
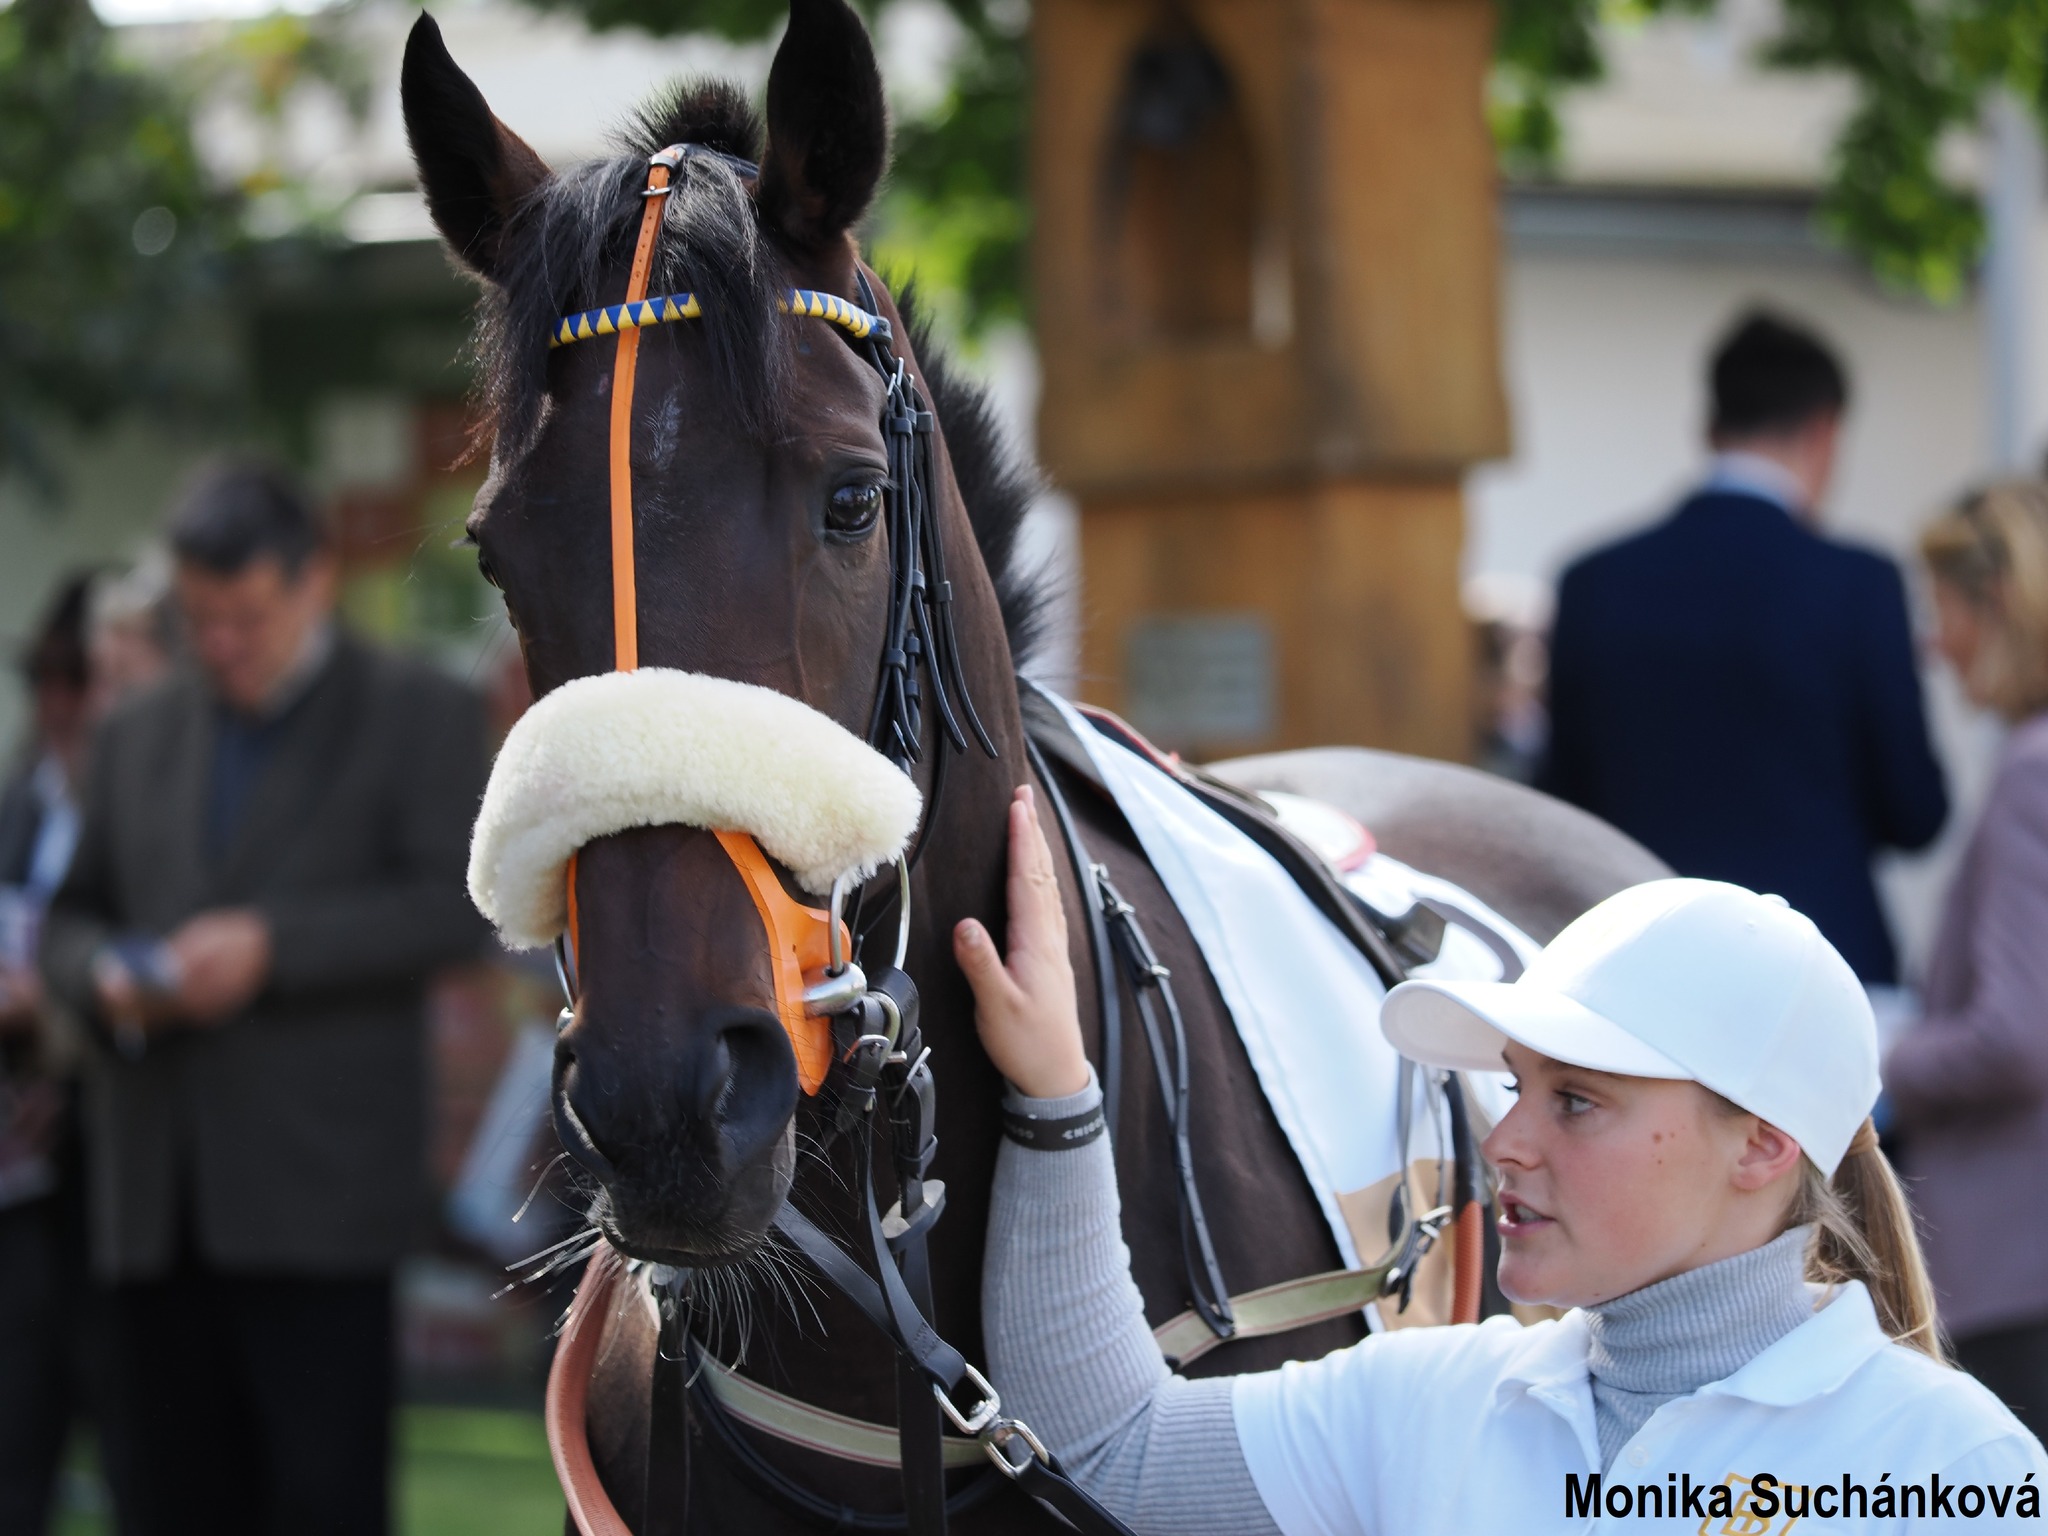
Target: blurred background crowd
{"points": [[1647, 401]]}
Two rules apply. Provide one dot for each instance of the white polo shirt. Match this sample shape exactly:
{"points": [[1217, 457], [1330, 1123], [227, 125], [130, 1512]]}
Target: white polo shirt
{"points": [[1481, 1430]]}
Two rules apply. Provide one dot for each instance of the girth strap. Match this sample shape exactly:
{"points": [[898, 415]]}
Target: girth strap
{"points": [[1272, 1309], [838, 1435]]}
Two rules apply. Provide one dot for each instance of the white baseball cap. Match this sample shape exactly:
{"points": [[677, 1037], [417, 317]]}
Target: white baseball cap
{"points": [[1689, 979]]}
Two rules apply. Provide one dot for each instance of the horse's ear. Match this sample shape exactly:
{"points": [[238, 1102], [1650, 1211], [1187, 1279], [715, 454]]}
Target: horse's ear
{"points": [[473, 169], [828, 129]]}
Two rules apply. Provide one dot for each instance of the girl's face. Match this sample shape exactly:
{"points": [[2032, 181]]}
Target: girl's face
{"points": [[1959, 633], [1609, 1184]]}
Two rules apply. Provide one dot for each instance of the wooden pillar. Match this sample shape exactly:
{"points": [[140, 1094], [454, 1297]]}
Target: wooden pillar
{"points": [[1266, 267]]}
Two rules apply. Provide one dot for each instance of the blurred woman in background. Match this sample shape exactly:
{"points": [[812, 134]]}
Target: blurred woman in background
{"points": [[1968, 1083], [42, 1236], [133, 636], [105, 635]]}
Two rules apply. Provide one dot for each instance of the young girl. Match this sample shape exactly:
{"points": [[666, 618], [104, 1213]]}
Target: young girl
{"points": [[1689, 1167]]}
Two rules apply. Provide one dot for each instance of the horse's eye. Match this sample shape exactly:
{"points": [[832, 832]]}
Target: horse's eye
{"points": [[483, 569], [854, 508]]}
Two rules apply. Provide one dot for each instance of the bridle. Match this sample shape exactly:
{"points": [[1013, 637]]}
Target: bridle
{"points": [[856, 1038], [816, 978]]}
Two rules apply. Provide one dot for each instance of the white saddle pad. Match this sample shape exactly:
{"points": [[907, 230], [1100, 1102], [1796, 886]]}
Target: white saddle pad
{"points": [[1304, 1000]]}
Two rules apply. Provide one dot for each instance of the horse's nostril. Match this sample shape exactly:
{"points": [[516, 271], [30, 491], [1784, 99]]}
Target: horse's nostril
{"points": [[758, 1088], [569, 1127]]}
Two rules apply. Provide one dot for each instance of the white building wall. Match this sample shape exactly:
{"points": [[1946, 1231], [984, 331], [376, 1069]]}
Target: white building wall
{"points": [[1605, 360]]}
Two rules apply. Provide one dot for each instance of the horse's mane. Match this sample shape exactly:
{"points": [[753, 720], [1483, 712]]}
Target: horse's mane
{"points": [[581, 224], [997, 482]]}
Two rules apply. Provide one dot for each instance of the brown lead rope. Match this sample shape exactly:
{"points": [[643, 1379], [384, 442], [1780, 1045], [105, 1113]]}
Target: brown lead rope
{"points": [[590, 1507]]}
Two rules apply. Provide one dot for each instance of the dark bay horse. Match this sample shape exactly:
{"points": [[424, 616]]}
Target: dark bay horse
{"points": [[758, 469]]}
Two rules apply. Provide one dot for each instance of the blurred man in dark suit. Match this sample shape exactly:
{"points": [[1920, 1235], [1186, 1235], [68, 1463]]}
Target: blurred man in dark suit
{"points": [[1738, 691], [269, 866]]}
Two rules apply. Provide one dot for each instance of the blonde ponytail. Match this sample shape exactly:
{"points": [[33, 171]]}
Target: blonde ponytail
{"points": [[1864, 1231]]}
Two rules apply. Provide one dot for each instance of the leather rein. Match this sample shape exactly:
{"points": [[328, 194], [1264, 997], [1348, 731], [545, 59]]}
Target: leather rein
{"points": [[857, 1041]]}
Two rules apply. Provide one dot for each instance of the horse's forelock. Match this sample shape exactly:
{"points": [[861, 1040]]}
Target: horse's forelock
{"points": [[568, 242], [713, 113]]}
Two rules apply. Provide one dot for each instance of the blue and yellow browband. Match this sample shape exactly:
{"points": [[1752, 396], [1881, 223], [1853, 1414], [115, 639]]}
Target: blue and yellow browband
{"points": [[614, 318]]}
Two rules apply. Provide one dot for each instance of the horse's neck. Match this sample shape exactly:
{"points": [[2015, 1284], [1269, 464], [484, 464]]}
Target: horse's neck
{"points": [[960, 873], [966, 858]]}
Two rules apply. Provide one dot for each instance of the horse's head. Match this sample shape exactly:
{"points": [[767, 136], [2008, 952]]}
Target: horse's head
{"points": [[763, 520]]}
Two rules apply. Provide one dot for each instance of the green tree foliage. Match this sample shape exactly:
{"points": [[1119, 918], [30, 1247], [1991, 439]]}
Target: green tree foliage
{"points": [[955, 213], [120, 252], [959, 209], [108, 233], [1922, 70], [1543, 48]]}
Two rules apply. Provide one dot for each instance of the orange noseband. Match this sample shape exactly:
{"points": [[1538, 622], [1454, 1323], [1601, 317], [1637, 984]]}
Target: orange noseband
{"points": [[799, 944]]}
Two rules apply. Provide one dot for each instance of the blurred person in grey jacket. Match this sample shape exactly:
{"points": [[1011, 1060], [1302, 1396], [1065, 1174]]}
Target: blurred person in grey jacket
{"points": [[269, 866], [1968, 1083]]}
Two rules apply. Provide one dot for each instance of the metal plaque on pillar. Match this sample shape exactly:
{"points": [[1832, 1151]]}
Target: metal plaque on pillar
{"points": [[1197, 681]]}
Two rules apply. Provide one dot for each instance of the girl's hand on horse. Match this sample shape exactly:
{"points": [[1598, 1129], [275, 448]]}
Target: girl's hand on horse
{"points": [[1025, 1007]]}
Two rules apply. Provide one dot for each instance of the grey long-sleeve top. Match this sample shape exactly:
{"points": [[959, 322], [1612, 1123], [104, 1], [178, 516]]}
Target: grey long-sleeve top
{"points": [[1073, 1357], [1970, 1080]]}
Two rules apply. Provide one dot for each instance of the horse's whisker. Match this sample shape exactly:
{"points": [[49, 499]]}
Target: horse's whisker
{"points": [[546, 1168], [563, 1258], [574, 1237]]}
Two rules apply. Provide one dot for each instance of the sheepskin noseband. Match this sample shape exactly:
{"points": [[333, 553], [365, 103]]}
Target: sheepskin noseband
{"points": [[656, 747]]}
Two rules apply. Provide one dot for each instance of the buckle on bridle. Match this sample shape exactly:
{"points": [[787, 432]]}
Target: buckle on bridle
{"points": [[844, 983], [996, 1433], [997, 1439], [1422, 1236], [985, 1413]]}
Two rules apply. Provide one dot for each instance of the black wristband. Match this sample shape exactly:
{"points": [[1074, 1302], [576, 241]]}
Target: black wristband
{"points": [[1054, 1135]]}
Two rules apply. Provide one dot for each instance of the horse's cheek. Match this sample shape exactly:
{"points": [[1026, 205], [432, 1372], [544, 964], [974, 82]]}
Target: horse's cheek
{"points": [[834, 613]]}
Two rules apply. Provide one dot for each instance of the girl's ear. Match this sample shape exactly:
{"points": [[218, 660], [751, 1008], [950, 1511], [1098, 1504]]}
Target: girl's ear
{"points": [[1768, 1154]]}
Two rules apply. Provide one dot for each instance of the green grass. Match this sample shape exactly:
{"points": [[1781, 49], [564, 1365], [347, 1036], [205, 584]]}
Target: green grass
{"points": [[475, 1472], [461, 1472]]}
